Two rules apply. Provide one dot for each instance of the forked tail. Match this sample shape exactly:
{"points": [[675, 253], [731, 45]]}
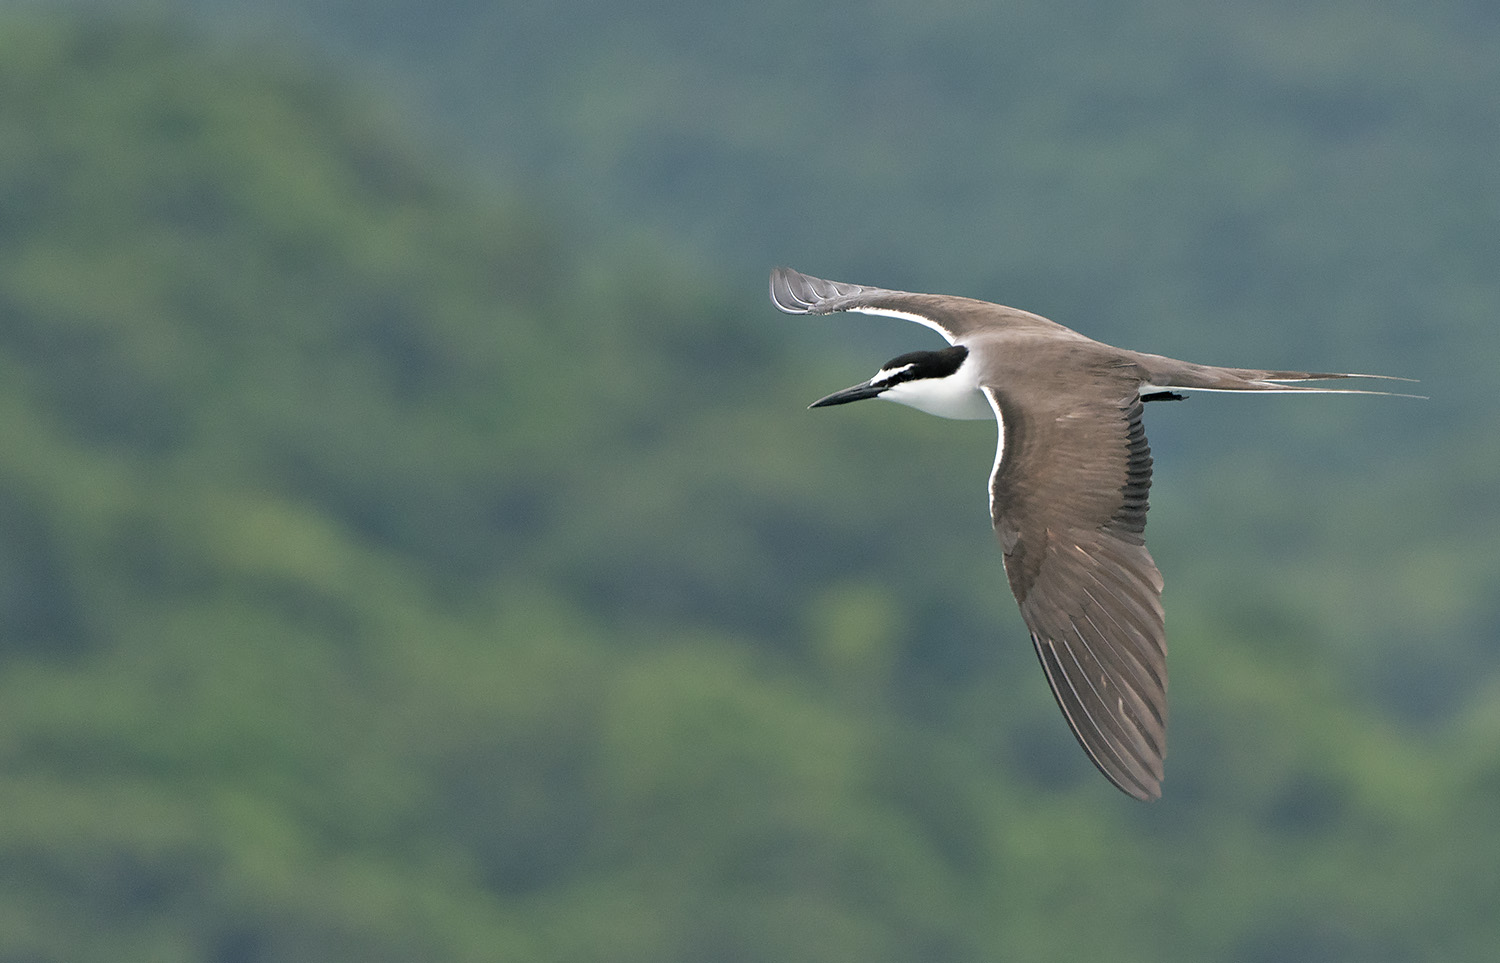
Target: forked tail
{"points": [[1168, 374]]}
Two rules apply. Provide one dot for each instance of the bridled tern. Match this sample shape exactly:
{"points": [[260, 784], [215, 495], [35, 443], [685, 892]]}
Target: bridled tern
{"points": [[1067, 491]]}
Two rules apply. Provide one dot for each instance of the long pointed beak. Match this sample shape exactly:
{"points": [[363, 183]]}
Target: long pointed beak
{"points": [[857, 393]]}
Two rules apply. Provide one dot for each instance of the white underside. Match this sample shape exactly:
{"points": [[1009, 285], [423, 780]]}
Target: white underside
{"points": [[944, 397], [999, 446], [905, 316]]}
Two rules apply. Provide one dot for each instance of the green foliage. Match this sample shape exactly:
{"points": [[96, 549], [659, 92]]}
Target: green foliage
{"points": [[384, 576]]}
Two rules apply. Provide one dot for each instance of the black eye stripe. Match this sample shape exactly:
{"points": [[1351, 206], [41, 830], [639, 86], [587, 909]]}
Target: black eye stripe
{"points": [[925, 364]]}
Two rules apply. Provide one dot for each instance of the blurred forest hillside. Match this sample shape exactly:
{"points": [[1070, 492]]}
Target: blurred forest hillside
{"points": [[1263, 183], [397, 564]]}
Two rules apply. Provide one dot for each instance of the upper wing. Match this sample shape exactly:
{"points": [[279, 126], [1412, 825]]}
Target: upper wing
{"points": [[953, 318], [1068, 499]]}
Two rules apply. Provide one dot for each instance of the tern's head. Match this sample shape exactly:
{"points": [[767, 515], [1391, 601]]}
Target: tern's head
{"points": [[943, 383]]}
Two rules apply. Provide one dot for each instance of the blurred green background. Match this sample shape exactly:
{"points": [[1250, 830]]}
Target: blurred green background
{"points": [[413, 545]]}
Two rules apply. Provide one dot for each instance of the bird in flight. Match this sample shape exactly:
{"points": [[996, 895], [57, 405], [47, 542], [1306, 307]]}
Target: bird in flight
{"points": [[1067, 491]]}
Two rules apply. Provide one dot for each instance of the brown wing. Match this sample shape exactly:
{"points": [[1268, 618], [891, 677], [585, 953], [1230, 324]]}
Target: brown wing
{"points": [[953, 318], [1068, 499]]}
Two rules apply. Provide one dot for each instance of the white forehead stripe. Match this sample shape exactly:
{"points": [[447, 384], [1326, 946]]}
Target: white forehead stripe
{"points": [[925, 322], [886, 374]]}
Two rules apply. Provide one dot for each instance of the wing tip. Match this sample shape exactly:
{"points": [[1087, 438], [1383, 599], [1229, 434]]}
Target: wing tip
{"points": [[1146, 788], [798, 293], [795, 292], [1141, 781], [1147, 794]]}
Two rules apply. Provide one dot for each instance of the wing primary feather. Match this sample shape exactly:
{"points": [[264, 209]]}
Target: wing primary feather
{"points": [[1115, 734], [1140, 720], [1121, 732], [1070, 703], [1142, 677], [1073, 704], [1146, 617]]}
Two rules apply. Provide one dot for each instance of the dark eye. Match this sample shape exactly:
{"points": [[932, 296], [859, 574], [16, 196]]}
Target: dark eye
{"points": [[926, 364]]}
